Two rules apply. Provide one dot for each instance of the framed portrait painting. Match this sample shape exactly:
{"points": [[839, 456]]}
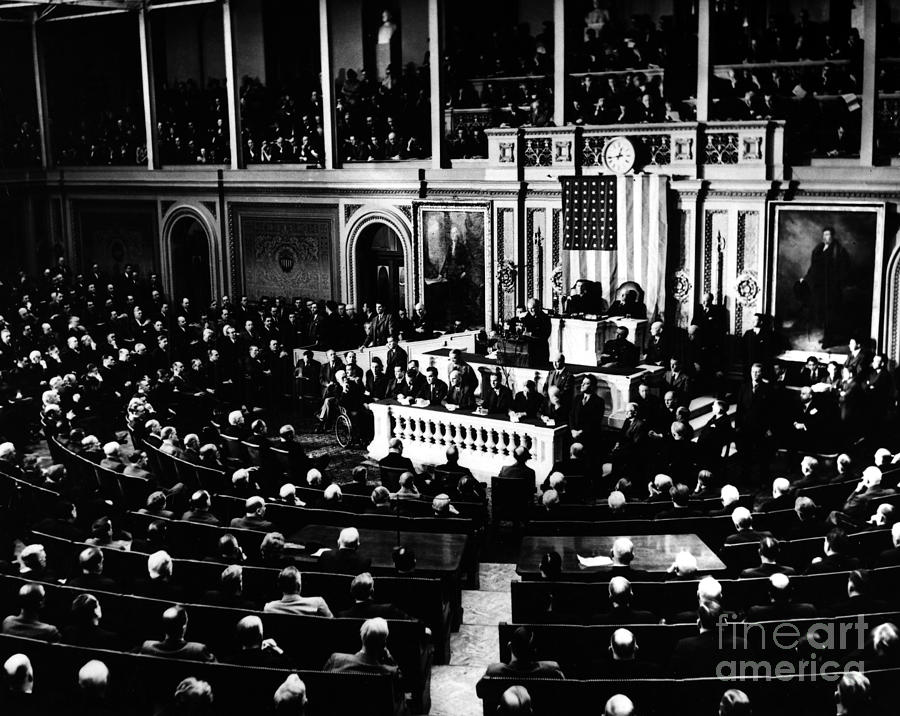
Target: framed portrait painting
{"points": [[825, 273], [454, 252]]}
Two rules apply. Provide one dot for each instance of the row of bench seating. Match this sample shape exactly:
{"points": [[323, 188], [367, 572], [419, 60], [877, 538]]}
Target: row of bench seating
{"points": [[785, 696], [665, 599], [141, 685], [308, 640], [422, 597], [579, 648]]}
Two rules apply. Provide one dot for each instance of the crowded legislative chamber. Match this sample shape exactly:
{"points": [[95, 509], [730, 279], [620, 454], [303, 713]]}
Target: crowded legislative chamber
{"points": [[404, 357]]}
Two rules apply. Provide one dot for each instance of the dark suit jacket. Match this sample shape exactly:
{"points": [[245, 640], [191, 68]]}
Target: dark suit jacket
{"points": [[587, 417], [190, 650], [461, 396], [345, 561], [564, 379], [699, 655], [767, 570], [517, 470], [833, 563], [544, 669], [396, 461], [357, 662], [754, 410], [434, 393], [745, 536], [788, 610], [499, 401], [623, 615], [370, 610]]}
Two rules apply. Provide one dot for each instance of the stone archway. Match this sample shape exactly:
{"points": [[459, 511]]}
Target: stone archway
{"points": [[190, 248], [361, 224]]}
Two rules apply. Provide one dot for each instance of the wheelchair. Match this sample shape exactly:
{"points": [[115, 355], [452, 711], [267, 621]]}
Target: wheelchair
{"points": [[344, 431]]}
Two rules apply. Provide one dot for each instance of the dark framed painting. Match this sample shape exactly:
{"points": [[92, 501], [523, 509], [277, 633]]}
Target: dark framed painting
{"points": [[454, 246], [825, 268]]}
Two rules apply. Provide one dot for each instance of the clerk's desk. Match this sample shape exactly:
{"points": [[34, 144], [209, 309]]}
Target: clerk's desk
{"points": [[617, 385], [581, 339]]}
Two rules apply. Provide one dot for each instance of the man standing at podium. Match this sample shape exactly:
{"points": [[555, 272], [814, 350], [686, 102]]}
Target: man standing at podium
{"points": [[536, 328]]}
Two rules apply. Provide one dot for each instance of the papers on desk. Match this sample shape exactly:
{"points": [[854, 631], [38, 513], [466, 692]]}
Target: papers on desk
{"points": [[480, 411], [320, 552], [599, 561], [549, 422]]}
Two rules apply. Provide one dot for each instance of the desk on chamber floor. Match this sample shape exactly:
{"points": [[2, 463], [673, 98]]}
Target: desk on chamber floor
{"points": [[617, 385], [652, 553], [485, 442]]}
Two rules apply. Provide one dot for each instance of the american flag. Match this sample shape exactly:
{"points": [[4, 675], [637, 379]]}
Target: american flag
{"points": [[589, 213], [639, 234]]}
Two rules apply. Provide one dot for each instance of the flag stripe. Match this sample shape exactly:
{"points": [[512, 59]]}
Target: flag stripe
{"points": [[637, 226]]}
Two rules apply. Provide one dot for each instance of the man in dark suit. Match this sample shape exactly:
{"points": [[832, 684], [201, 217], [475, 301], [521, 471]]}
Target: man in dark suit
{"points": [[498, 398], [528, 401], [395, 460], [754, 419], [837, 557], [362, 590], [91, 578], [586, 417], [398, 384], [806, 428], [680, 495], [782, 497], [466, 372], [857, 507], [743, 523], [523, 663], [780, 606], [658, 348], [200, 504], [562, 378], [254, 516], [715, 436], [173, 644], [434, 390], [377, 380], [621, 611], [623, 661], [859, 597], [254, 650], [769, 552], [700, 655], [811, 373], [346, 559], [329, 369], [395, 356], [458, 393], [519, 469], [891, 557], [619, 351], [373, 657], [300, 463], [536, 328], [678, 381], [381, 328]]}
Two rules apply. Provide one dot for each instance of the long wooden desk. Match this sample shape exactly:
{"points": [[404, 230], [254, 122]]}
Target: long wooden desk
{"points": [[435, 553], [485, 443], [464, 340], [652, 553], [581, 340], [617, 385]]}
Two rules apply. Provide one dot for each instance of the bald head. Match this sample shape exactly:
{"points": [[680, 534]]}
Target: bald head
{"points": [[619, 705], [18, 674], [619, 591], [93, 676], [622, 645], [623, 551], [515, 700]]}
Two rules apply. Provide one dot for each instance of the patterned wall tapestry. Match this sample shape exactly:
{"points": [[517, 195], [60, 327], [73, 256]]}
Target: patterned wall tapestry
{"points": [[287, 256]]}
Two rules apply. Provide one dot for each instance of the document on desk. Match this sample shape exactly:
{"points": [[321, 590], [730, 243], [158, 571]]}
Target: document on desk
{"points": [[599, 561]]}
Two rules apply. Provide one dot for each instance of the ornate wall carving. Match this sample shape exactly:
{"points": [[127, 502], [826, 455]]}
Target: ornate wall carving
{"points": [[286, 252]]}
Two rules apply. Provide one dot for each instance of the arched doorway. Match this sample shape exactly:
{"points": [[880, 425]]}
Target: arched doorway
{"points": [[190, 262], [380, 269]]}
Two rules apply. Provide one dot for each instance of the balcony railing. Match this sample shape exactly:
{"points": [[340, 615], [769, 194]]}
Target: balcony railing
{"points": [[714, 150]]}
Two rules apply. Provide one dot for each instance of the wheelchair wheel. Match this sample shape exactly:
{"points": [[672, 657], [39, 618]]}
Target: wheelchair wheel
{"points": [[343, 430]]}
